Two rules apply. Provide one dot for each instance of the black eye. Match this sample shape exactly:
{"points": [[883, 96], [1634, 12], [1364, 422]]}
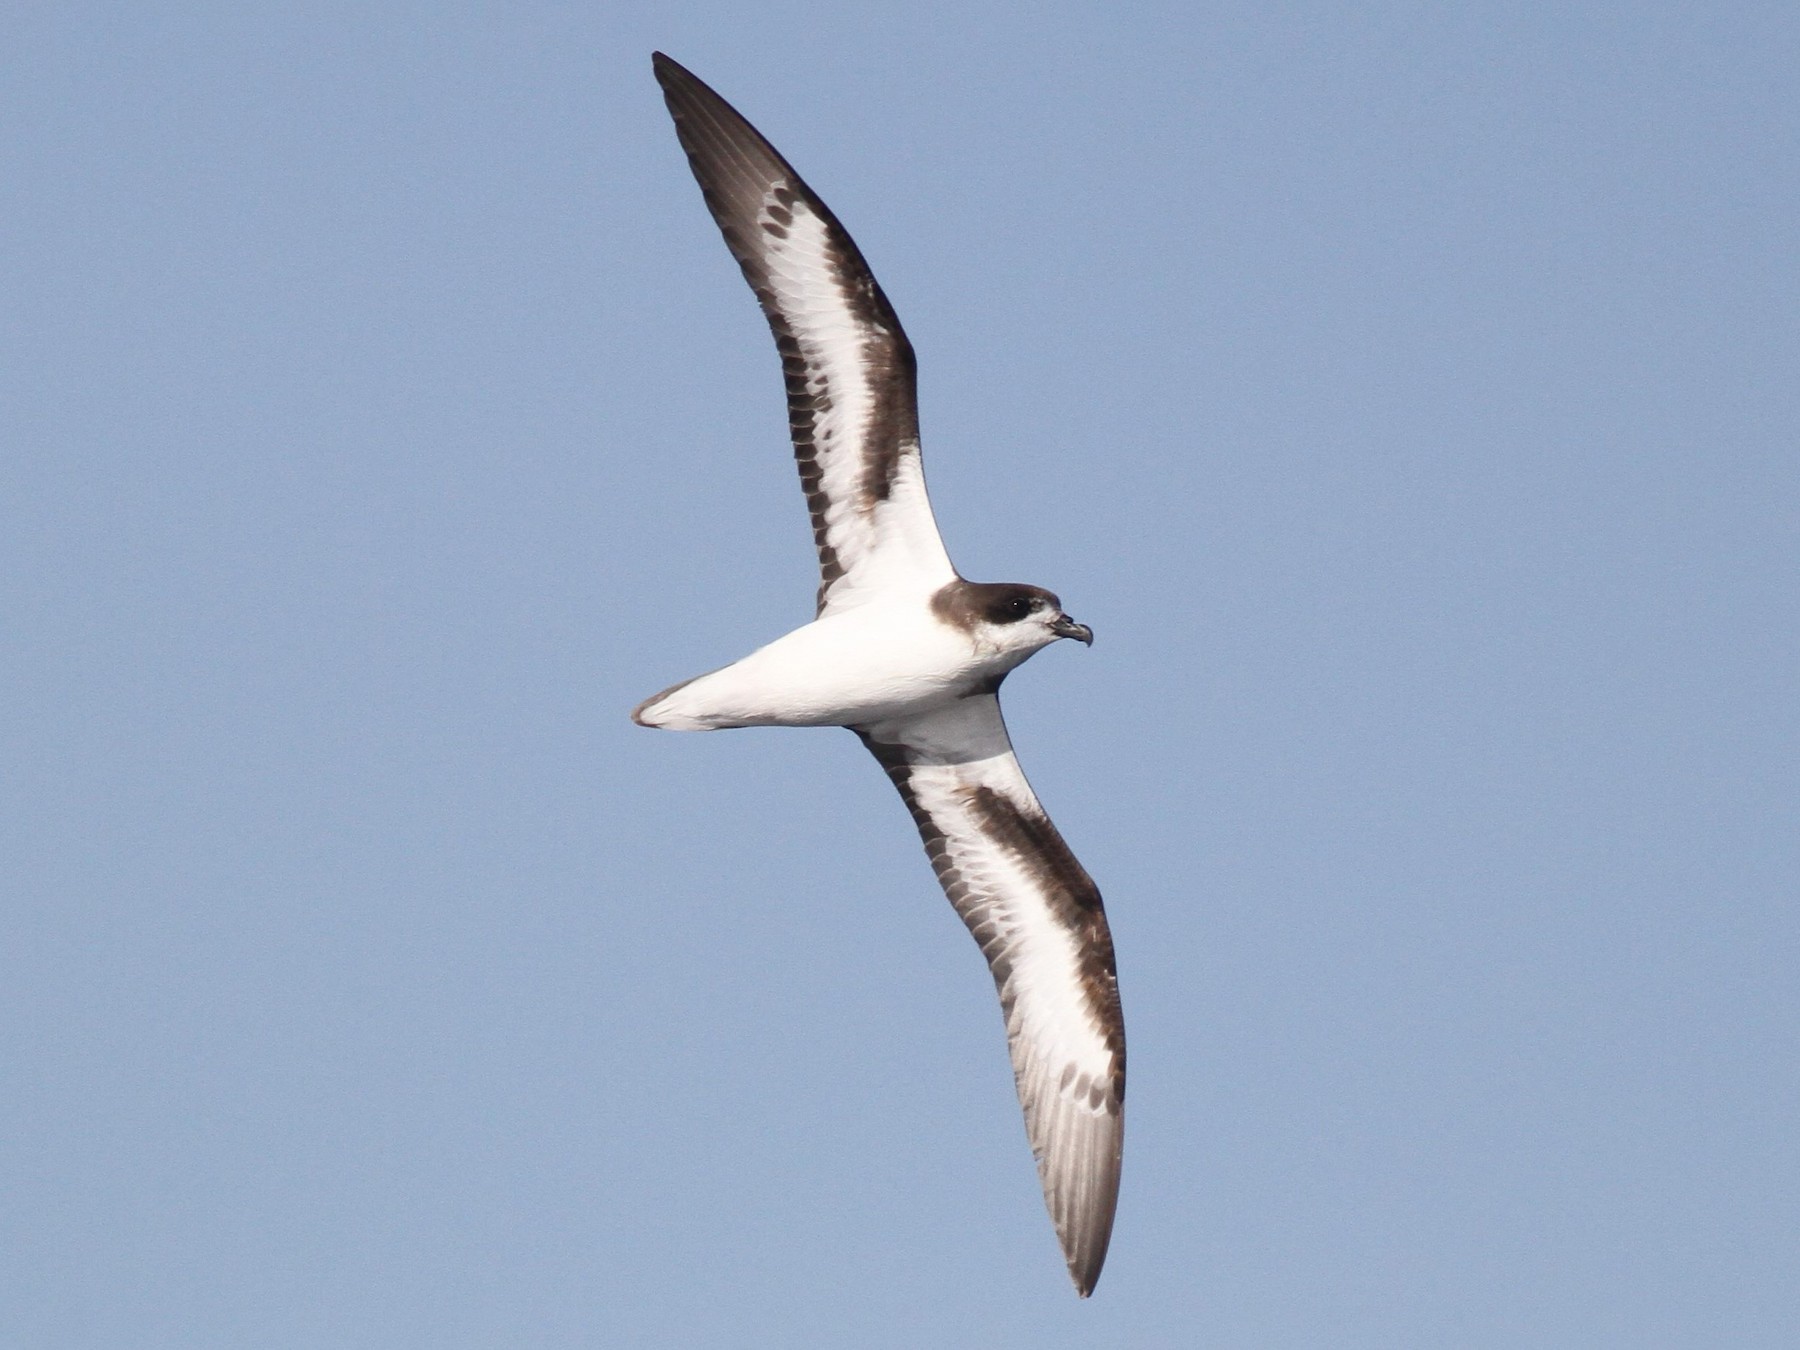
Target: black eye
{"points": [[1010, 604]]}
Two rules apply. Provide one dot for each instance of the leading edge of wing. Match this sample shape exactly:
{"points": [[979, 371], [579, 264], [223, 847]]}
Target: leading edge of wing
{"points": [[1039, 921], [849, 368]]}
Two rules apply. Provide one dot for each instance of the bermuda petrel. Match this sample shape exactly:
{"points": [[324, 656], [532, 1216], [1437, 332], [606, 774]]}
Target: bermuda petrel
{"points": [[909, 656]]}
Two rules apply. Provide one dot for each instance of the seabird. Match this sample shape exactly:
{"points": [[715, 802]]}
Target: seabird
{"points": [[908, 655]]}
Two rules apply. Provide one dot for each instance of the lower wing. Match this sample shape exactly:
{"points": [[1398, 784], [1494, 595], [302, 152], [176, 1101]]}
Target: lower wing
{"points": [[1038, 918]]}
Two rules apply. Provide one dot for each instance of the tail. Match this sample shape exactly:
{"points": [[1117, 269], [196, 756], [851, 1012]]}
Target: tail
{"points": [[711, 702], [656, 711], [697, 704]]}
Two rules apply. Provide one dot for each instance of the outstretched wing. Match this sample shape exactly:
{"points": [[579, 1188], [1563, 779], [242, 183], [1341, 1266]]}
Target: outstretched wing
{"points": [[1037, 916], [852, 405]]}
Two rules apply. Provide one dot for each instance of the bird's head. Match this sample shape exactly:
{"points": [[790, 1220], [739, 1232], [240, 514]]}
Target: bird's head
{"points": [[1008, 616]]}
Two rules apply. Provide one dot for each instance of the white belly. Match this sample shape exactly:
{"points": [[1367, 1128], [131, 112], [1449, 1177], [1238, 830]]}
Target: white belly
{"points": [[866, 665]]}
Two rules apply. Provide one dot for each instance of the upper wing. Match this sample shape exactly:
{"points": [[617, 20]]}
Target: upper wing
{"points": [[1037, 916], [852, 405]]}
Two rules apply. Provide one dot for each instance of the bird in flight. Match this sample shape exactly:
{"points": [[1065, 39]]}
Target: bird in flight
{"points": [[910, 656]]}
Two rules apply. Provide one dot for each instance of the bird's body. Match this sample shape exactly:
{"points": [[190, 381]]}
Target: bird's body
{"points": [[909, 655], [889, 658]]}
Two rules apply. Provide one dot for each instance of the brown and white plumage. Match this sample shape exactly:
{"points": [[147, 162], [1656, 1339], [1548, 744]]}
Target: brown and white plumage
{"points": [[851, 377], [909, 655]]}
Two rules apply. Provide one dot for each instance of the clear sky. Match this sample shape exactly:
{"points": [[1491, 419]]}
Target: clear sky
{"points": [[1405, 393]]}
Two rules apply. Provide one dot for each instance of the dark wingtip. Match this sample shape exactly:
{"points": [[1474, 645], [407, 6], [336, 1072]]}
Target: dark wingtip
{"points": [[668, 70]]}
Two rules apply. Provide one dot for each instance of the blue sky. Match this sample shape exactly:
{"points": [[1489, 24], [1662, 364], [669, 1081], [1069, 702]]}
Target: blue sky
{"points": [[1406, 395]]}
